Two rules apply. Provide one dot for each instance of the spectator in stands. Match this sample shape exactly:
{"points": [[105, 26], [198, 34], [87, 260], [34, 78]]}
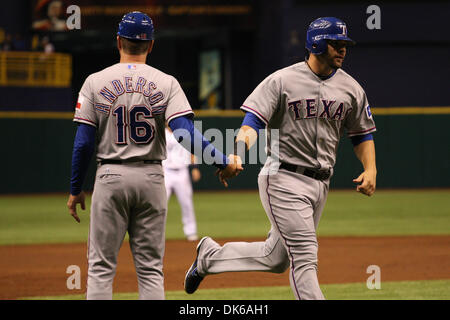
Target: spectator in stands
{"points": [[19, 43], [55, 17], [7, 45], [47, 46], [35, 43]]}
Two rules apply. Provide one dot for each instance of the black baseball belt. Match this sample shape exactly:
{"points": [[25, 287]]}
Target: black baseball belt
{"points": [[312, 173], [108, 161]]}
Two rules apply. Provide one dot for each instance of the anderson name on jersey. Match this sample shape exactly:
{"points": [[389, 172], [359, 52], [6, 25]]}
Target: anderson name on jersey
{"points": [[129, 104]]}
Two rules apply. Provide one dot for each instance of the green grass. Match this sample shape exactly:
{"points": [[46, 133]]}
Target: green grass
{"points": [[40, 219], [401, 290], [45, 218], [390, 212]]}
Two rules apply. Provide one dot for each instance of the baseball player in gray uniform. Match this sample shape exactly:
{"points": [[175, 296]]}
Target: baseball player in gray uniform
{"points": [[311, 103], [122, 111]]}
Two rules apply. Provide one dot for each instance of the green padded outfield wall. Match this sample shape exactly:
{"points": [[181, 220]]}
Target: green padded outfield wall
{"points": [[412, 152]]}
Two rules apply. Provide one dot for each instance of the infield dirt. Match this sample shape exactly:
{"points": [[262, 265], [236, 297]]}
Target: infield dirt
{"points": [[40, 270]]}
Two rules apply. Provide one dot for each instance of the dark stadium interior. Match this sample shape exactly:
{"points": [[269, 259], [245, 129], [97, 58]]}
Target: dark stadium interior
{"points": [[404, 64], [268, 37]]}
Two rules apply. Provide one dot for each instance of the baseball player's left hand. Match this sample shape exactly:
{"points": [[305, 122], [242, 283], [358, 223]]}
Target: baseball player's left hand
{"points": [[72, 204], [367, 182]]}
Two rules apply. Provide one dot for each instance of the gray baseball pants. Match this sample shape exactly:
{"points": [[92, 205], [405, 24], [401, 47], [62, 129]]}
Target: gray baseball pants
{"points": [[127, 198], [293, 204]]}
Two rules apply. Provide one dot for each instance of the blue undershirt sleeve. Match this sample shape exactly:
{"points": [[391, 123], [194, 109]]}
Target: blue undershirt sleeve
{"points": [[253, 121], [83, 149], [361, 138], [193, 141]]}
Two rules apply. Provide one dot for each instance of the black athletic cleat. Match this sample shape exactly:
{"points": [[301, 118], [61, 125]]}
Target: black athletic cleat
{"points": [[192, 279]]}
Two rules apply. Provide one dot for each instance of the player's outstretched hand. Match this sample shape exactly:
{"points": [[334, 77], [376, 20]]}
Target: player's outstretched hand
{"points": [[366, 182], [233, 168], [72, 204]]}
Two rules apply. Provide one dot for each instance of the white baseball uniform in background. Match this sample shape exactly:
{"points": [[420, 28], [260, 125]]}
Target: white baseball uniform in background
{"points": [[177, 180]]}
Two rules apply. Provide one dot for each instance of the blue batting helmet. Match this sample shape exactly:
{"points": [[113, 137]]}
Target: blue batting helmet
{"points": [[323, 29], [136, 26]]}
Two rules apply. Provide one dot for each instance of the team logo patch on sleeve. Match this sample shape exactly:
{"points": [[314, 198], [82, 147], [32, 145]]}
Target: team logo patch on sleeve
{"points": [[369, 113]]}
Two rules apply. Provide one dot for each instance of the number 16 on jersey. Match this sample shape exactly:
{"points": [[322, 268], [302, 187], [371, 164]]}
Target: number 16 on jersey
{"points": [[140, 131]]}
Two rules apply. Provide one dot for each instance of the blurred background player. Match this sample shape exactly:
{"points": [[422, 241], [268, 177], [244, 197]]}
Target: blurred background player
{"points": [[177, 180]]}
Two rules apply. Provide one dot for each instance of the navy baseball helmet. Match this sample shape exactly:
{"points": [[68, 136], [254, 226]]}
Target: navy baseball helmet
{"points": [[136, 26], [323, 29]]}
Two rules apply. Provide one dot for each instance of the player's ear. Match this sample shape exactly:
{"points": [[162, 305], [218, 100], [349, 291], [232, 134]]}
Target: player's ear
{"points": [[150, 46], [119, 43]]}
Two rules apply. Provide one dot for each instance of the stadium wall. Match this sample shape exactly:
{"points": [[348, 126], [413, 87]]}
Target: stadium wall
{"points": [[412, 152]]}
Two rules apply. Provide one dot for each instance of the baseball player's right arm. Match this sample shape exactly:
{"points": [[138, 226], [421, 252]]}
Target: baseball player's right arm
{"points": [[189, 137], [72, 205], [179, 118], [259, 106], [83, 149], [245, 139], [248, 133]]}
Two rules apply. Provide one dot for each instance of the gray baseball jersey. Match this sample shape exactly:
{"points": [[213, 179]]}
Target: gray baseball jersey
{"points": [[310, 113], [129, 104]]}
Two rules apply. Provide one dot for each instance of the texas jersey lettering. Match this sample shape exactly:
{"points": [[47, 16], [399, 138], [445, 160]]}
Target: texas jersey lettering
{"points": [[306, 108]]}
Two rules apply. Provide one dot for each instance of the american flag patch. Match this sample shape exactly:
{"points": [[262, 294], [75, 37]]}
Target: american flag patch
{"points": [[79, 102], [104, 108]]}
